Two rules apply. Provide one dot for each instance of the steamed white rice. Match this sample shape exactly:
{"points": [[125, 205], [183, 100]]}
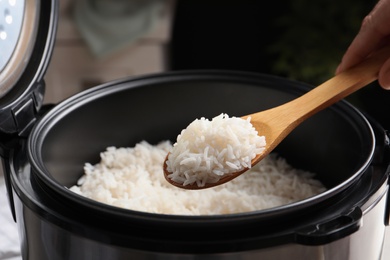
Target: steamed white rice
{"points": [[132, 178], [207, 150]]}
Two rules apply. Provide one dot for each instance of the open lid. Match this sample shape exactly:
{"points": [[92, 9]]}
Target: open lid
{"points": [[27, 34]]}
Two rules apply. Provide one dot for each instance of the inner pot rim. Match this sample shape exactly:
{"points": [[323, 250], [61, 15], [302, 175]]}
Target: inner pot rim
{"points": [[36, 139]]}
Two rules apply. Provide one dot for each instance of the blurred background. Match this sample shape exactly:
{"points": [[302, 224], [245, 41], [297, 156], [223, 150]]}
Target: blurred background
{"points": [[100, 40]]}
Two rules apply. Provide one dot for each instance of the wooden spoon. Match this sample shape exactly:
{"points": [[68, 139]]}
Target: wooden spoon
{"points": [[276, 123]]}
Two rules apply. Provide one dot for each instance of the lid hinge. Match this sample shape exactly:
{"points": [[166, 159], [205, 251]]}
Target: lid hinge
{"points": [[25, 113], [24, 116]]}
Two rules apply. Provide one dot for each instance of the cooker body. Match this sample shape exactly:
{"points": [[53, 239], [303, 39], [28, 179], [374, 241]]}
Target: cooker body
{"points": [[339, 144], [43, 239]]}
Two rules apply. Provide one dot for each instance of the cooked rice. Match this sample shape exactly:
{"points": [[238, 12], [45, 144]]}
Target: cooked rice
{"points": [[207, 150], [132, 178]]}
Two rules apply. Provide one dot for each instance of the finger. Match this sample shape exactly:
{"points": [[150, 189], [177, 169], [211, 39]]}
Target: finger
{"points": [[384, 75], [365, 42], [370, 37]]}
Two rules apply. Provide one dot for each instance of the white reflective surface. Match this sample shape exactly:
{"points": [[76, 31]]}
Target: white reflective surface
{"points": [[11, 18]]}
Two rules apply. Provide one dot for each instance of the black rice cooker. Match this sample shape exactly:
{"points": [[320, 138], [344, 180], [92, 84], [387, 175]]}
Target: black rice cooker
{"points": [[44, 148]]}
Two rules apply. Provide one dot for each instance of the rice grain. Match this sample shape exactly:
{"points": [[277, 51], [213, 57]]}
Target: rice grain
{"points": [[132, 178]]}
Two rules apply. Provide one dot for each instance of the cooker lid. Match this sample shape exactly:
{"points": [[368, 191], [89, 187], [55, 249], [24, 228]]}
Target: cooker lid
{"points": [[26, 40]]}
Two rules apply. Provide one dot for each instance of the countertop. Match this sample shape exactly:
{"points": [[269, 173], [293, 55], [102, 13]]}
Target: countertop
{"points": [[9, 239]]}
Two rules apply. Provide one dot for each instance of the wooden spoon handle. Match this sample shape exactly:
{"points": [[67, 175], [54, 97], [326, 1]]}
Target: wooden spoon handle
{"points": [[276, 123], [339, 86]]}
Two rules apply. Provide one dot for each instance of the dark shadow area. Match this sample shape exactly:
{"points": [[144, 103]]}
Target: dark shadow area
{"points": [[301, 40]]}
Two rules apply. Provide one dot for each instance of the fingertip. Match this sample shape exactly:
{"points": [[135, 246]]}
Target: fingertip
{"points": [[341, 67], [384, 83], [338, 69], [384, 75]]}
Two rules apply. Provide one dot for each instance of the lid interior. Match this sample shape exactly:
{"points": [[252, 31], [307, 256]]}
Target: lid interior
{"points": [[18, 29]]}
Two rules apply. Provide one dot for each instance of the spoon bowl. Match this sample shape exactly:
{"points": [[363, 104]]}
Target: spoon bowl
{"points": [[276, 123]]}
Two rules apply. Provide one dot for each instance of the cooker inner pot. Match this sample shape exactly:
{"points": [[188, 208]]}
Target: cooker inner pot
{"points": [[336, 143]]}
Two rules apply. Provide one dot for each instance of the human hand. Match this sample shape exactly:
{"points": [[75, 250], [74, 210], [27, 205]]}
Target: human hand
{"points": [[374, 33]]}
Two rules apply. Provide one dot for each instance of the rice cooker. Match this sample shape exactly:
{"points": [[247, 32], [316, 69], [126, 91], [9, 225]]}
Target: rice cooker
{"points": [[44, 149]]}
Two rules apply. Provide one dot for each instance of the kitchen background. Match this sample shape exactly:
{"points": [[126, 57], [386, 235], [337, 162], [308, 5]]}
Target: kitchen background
{"points": [[83, 57], [301, 39]]}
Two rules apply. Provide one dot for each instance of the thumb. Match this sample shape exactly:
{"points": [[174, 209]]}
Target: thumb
{"points": [[384, 75]]}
